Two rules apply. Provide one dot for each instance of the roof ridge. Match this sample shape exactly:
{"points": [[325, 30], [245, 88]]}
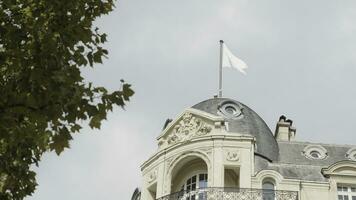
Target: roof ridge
{"points": [[312, 143]]}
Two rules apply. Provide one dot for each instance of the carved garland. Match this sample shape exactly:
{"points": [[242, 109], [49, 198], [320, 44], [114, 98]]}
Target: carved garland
{"points": [[188, 128]]}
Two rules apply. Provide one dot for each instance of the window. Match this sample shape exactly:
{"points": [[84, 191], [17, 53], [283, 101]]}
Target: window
{"points": [[193, 188], [351, 154], [268, 188], [315, 152], [230, 110], [345, 192]]}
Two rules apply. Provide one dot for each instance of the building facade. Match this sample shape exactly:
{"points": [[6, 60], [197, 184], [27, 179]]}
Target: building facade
{"points": [[222, 149]]}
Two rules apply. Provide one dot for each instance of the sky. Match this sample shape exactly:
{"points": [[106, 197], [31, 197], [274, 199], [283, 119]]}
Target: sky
{"points": [[302, 63]]}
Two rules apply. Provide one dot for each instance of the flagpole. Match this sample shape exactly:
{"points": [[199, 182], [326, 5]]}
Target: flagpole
{"points": [[220, 68]]}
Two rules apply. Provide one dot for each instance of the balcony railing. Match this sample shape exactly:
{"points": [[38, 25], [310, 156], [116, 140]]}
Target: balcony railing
{"points": [[213, 193]]}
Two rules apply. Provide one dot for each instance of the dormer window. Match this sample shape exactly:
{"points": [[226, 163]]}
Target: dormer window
{"points": [[315, 152], [230, 110], [351, 154]]}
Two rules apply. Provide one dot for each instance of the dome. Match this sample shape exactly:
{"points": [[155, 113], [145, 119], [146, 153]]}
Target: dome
{"points": [[242, 119]]}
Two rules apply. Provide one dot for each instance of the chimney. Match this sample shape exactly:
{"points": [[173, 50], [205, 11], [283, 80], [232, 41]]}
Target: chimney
{"points": [[284, 130]]}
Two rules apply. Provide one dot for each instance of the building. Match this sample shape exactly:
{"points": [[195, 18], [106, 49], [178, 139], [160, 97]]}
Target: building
{"points": [[221, 149]]}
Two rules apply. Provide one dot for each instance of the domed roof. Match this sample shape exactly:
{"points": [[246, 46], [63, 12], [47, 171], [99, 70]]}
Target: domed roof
{"points": [[242, 119]]}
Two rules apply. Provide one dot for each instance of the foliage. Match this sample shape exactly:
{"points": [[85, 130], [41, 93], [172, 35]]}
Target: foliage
{"points": [[44, 98]]}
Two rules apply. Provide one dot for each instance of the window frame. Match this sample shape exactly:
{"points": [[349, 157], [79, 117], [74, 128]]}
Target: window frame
{"points": [[268, 194], [197, 191], [350, 192]]}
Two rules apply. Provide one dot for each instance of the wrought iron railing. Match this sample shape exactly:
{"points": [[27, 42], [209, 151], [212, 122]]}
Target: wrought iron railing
{"points": [[214, 193]]}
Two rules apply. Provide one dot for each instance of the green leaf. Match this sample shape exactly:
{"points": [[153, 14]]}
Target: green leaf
{"points": [[90, 58], [95, 122], [103, 38], [128, 92], [60, 141], [75, 128], [97, 57]]}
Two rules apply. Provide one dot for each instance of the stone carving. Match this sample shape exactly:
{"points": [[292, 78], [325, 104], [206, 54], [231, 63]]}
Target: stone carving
{"points": [[187, 128], [207, 150], [232, 156], [152, 176]]}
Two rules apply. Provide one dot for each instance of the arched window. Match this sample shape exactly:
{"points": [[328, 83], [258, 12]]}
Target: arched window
{"points": [[193, 188], [268, 188]]}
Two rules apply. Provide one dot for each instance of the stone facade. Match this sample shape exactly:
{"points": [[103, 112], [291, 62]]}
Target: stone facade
{"points": [[206, 148]]}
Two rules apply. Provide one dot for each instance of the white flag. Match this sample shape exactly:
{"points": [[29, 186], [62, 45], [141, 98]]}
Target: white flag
{"points": [[229, 60]]}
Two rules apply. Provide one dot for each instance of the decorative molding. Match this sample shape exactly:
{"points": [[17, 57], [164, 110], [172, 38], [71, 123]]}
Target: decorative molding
{"points": [[269, 174], [230, 109], [187, 128], [320, 151], [341, 168], [170, 160], [183, 155], [202, 114], [207, 150], [351, 154], [152, 176], [232, 156]]}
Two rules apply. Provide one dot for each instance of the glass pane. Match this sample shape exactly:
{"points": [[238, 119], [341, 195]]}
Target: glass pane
{"points": [[201, 177], [353, 197], [188, 188], [340, 197], [268, 195], [346, 197], [203, 182], [194, 186], [268, 186], [339, 188], [268, 190], [344, 189], [315, 154], [353, 189], [194, 179]]}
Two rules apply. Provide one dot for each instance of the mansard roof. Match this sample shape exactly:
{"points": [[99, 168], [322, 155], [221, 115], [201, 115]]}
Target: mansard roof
{"points": [[294, 164]]}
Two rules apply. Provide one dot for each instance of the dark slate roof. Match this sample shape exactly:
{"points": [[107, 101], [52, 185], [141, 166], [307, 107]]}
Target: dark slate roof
{"points": [[291, 152], [251, 123], [293, 164]]}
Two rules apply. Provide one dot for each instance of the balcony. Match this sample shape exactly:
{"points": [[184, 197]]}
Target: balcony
{"points": [[214, 193]]}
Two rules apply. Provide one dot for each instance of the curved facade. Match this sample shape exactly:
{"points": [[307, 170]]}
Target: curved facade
{"points": [[221, 149]]}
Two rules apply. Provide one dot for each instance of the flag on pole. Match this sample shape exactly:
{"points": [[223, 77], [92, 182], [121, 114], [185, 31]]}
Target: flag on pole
{"points": [[230, 60], [227, 59]]}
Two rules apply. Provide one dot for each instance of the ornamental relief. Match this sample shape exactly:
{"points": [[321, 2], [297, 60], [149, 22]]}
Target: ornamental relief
{"points": [[187, 128], [152, 176], [232, 156]]}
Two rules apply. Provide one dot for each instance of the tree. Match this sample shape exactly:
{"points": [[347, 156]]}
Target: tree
{"points": [[43, 96]]}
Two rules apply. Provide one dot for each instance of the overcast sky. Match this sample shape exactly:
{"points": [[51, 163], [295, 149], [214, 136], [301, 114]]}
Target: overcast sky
{"points": [[302, 63]]}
